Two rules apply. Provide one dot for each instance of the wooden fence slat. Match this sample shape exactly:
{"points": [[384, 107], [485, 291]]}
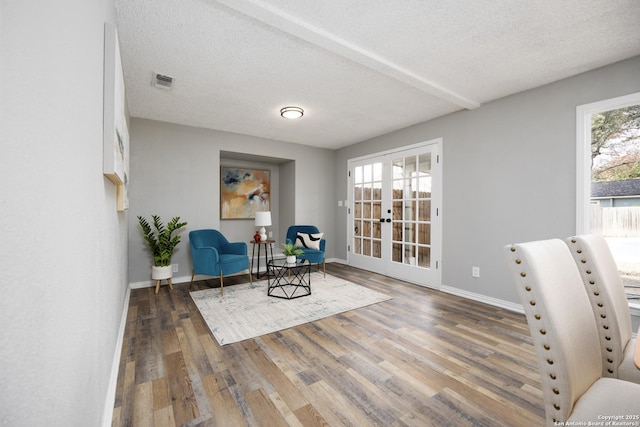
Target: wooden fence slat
{"points": [[616, 222]]}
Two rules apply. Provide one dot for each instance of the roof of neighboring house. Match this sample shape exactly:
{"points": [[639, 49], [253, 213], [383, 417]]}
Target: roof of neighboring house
{"points": [[625, 187]]}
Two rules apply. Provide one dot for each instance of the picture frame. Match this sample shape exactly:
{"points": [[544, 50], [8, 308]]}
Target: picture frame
{"points": [[243, 192], [115, 163]]}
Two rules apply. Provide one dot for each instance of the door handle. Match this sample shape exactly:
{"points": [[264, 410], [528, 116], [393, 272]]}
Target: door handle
{"points": [[385, 220], [388, 219], [381, 219]]}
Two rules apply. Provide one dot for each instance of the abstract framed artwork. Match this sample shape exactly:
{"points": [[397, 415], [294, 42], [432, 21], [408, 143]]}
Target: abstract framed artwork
{"points": [[243, 192], [115, 160]]}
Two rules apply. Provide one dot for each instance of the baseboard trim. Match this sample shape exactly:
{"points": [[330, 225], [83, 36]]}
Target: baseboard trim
{"points": [[507, 305], [107, 415], [184, 279], [150, 283]]}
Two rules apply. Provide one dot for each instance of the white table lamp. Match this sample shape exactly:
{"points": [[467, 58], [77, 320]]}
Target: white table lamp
{"points": [[263, 219]]}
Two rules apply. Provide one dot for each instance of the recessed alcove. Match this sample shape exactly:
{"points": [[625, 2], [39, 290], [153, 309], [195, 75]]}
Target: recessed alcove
{"points": [[282, 197]]}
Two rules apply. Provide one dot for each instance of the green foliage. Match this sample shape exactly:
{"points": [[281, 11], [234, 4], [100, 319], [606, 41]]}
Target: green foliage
{"points": [[615, 144], [289, 249], [160, 241]]}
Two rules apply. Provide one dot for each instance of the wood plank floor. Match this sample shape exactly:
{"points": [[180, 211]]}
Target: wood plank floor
{"points": [[424, 358]]}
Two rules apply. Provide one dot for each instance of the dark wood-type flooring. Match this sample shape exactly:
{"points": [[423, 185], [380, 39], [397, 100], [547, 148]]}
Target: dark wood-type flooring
{"points": [[423, 358]]}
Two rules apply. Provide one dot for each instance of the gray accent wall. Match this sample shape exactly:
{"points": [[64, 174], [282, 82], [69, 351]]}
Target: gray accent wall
{"points": [[64, 244], [509, 174], [175, 171]]}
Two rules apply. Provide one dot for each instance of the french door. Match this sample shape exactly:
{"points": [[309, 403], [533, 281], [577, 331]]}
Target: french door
{"points": [[394, 218]]}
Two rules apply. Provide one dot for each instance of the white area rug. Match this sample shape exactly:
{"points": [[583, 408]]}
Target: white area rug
{"points": [[245, 311]]}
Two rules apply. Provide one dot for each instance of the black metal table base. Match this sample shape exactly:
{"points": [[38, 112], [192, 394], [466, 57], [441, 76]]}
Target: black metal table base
{"points": [[266, 258], [289, 281]]}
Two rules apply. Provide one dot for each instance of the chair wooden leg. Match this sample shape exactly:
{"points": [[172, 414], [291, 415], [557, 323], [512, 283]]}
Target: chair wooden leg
{"points": [[324, 268], [193, 274], [221, 285], [250, 278]]}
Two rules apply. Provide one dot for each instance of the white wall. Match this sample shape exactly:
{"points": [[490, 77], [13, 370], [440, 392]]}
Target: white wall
{"points": [[64, 244], [175, 171], [509, 173]]}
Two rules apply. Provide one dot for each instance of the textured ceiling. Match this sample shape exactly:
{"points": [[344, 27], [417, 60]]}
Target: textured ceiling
{"points": [[359, 68]]}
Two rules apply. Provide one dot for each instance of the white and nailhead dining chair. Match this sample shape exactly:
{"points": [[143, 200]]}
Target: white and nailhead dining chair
{"points": [[565, 337]]}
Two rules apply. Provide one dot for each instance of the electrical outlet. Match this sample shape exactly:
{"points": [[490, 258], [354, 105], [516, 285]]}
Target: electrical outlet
{"points": [[475, 271], [270, 234], [174, 268]]}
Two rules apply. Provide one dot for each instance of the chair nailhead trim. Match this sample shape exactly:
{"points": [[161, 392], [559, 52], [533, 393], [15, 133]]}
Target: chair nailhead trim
{"points": [[556, 406], [550, 361], [527, 288], [588, 271], [547, 347], [523, 274], [513, 249], [537, 316], [553, 376], [556, 391], [543, 331], [584, 261], [518, 261]]}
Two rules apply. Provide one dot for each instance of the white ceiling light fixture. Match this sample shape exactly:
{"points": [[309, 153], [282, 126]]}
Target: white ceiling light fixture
{"points": [[292, 112]]}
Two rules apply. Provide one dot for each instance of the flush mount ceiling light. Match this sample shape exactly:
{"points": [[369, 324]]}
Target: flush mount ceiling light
{"points": [[292, 112]]}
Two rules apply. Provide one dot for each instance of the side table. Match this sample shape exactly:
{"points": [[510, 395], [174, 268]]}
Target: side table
{"points": [[261, 244]]}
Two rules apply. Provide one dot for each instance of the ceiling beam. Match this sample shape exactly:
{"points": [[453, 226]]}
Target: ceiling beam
{"points": [[274, 17]]}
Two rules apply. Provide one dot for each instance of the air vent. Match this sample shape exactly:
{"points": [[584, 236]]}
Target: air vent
{"points": [[162, 81]]}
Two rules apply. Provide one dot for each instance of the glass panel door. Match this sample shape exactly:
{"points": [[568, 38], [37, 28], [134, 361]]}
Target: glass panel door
{"points": [[394, 214], [411, 241], [367, 208]]}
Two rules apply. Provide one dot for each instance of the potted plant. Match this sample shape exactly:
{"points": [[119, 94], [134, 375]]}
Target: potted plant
{"points": [[161, 243], [291, 252]]}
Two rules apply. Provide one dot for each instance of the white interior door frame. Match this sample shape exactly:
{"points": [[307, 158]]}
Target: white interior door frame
{"points": [[436, 235], [584, 113]]}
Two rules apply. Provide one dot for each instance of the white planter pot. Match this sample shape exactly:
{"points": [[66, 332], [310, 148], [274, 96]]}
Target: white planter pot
{"points": [[291, 259], [160, 273]]}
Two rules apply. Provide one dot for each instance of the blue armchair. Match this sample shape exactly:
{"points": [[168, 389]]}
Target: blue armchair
{"points": [[315, 256], [212, 255]]}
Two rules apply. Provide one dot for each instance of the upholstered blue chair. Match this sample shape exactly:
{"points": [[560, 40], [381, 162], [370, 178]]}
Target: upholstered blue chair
{"points": [[213, 255], [311, 243]]}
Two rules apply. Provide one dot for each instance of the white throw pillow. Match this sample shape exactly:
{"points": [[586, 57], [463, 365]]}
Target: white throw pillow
{"points": [[308, 240]]}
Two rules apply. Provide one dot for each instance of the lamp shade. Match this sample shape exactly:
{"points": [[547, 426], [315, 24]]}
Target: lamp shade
{"points": [[263, 219]]}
